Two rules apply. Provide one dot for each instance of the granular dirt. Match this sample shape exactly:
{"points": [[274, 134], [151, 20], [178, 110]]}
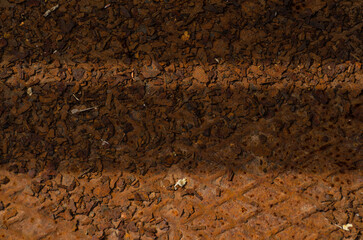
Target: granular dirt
{"points": [[214, 119]]}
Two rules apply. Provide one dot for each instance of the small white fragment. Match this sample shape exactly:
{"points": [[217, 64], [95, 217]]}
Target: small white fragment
{"points": [[50, 10], [345, 227], [217, 60], [74, 111], [107, 6], [104, 142], [75, 97], [29, 91], [180, 183]]}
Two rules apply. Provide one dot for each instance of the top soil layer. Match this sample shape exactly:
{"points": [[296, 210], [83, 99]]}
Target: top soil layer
{"points": [[181, 119]]}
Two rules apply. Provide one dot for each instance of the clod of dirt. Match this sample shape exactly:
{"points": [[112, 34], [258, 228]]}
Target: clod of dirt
{"points": [[68, 182], [200, 74], [151, 71], [78, 74], [3, 43], [4, 180]]}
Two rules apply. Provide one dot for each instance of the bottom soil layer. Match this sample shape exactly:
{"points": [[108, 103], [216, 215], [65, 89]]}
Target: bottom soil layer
{"points": [[132, 162]]}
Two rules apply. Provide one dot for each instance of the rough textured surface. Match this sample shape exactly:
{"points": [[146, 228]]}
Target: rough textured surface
{"points": [[106, 106]]}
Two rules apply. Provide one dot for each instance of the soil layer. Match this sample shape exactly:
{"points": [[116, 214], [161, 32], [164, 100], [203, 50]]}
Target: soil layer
{"points": [[181, 119]]}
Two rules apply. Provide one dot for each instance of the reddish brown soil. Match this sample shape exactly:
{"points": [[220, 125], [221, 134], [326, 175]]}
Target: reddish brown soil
{"points": [[107, 105]]}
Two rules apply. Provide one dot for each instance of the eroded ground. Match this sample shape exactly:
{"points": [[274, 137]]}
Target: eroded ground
{"points": [[181, 120]]}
